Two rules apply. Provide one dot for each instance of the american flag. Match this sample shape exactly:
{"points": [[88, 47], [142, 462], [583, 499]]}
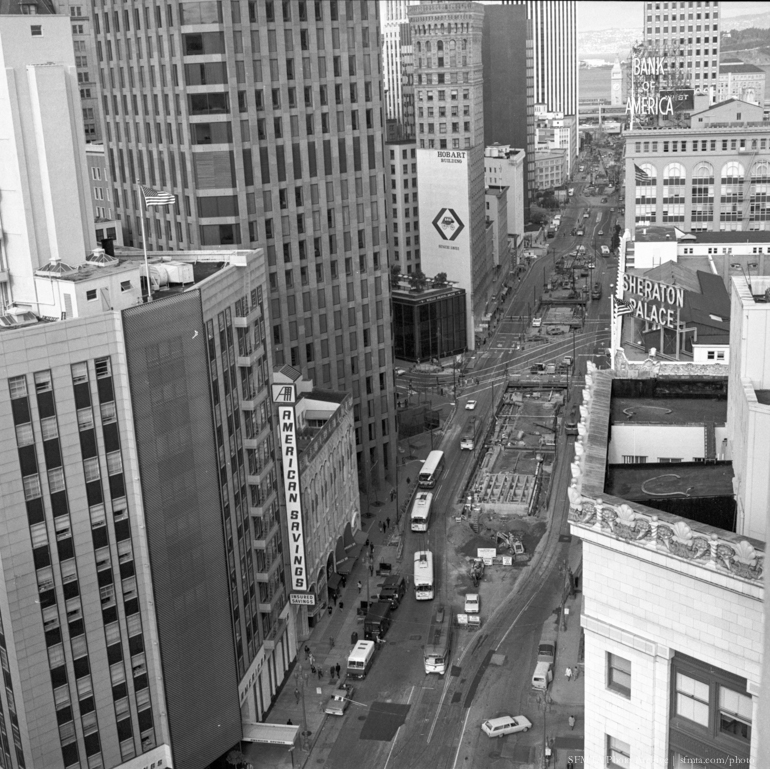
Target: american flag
{"points": [[639, 174], [621, 307], [156, 197]]}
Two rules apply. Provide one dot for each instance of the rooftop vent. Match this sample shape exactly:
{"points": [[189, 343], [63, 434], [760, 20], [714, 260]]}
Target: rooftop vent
{"points": [[100, 258], [55, 268]]}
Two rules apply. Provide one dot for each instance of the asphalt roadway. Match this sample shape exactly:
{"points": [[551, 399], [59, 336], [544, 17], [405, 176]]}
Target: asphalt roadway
{"points": [[400, 717]]}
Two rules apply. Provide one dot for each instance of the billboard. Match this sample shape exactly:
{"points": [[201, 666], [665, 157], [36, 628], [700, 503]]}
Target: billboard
{"points": [[657, 303], [445, 244], [284, 396]]}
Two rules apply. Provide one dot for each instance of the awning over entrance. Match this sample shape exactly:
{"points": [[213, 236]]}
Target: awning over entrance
{"points": [[333, 582], [270, 734], [346, 566]]}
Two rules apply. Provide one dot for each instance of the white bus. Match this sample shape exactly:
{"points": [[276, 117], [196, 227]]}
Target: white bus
{"points": [[423, 575], [421, 511], [439, 643], [431, 470]]}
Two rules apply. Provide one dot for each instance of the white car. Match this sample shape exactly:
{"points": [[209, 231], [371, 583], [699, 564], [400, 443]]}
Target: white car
{"points": [[497, 727], [400, 371], [339, 701], [472, 603], [601, 232], [470, 405]]}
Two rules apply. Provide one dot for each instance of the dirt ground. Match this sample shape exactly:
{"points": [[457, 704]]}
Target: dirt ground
{"points": [[498, 580]]}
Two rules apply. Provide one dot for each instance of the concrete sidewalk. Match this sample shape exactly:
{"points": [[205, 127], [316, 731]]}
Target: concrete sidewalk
{"points": [[303, 696]]}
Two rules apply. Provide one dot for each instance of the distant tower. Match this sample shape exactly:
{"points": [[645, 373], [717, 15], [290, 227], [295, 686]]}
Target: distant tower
{"points": [[616, 97]]}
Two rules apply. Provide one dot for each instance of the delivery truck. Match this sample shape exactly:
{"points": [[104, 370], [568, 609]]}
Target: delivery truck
{"points": [[546, 656], [468, 441]]}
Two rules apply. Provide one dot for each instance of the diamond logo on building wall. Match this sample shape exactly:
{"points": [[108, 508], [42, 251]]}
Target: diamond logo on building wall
{"points": [[448, 224]]}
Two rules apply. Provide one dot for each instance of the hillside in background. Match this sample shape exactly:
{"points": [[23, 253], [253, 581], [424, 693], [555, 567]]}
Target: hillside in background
{"points": [[750, 45], [608, 43]]}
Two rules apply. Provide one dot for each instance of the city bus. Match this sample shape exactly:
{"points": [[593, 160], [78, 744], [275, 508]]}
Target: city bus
{"points": [[431, 470], [439, 643], [423, 575], [421, 511]]}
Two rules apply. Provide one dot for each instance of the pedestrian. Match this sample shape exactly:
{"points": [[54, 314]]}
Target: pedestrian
{"points": [[570, 764], [359, 587], [331, 641], [408, 481], [312, 668], [371, 548], [571, 721], [568, 673], [320, 673], [307, 651], [344, 581], [334, 596], [371, 569], [337, 668], [312, 659], [341, 605], [331, 672], [289, 723], [387, 521], [330, 609], [296, 695]]}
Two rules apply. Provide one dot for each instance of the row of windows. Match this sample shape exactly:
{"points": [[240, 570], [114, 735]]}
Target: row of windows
{"points": [[703, 145]]}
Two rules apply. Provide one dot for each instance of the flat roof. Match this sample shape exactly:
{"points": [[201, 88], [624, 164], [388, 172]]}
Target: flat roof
{"points": [[738, 236], [674, 481], [654, 233], [763, 396], [668, 411]]}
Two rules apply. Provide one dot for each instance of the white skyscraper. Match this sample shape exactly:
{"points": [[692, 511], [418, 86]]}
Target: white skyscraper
{"points": [[394, 24], [554, 32]]}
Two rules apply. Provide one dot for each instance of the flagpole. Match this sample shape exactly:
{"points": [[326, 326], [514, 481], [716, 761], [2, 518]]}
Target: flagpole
{"points": [[144, 244]]}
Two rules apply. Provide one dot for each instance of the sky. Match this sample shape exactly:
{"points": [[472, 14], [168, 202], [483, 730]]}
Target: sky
{"points": [[593, 15]]}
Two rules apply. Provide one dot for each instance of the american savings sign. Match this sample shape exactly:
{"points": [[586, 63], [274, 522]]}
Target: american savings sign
{"points": [[657, 303], [284, 396]]}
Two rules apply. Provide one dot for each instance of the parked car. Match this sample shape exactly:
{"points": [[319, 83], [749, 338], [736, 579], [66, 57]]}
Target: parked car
{"points": [[497, 727], [581, 232], [400, 371], [601, 232], [604, 200], [537, 368], [340, 700], [472, 603], [470, 405]]}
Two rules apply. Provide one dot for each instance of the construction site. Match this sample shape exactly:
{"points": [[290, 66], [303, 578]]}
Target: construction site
{"points": [[513, 472]]}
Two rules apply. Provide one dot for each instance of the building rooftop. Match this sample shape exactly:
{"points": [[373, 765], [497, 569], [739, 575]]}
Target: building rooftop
{"points": [[757, 127], [735, 236], [668, 411], [763, 396], [498, 192], [654, 233], [686, 480], [738, 66], [13, 7]]}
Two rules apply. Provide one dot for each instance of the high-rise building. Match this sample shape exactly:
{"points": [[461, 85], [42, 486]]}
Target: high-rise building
{"points": [[555, 131], [83, 45], [265, 119], [616, 85], [687, 37], [447, 40], [504, 167], [398, 68], [402, 208], [554, 32], [509, 86], [42, 157]]}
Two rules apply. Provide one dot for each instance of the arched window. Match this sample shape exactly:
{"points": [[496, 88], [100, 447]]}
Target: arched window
{"points": [[427, 46], [651, 175], [419, 47], [465, 44], [674, 174], [703, 173], [440, 44], [452, 45], [760, 172], [732, 173]]}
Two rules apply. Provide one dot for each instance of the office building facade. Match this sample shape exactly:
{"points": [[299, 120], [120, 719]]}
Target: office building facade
{"points": [[447, 39], [699, 179], [504, 167], [555, 54], [398, 67], [687, 36], [403, 212], [738, 80], [509, 86], [266, 120]]}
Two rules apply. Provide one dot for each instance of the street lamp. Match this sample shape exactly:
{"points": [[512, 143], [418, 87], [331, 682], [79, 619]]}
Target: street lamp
{"points": [[739, 266]]}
